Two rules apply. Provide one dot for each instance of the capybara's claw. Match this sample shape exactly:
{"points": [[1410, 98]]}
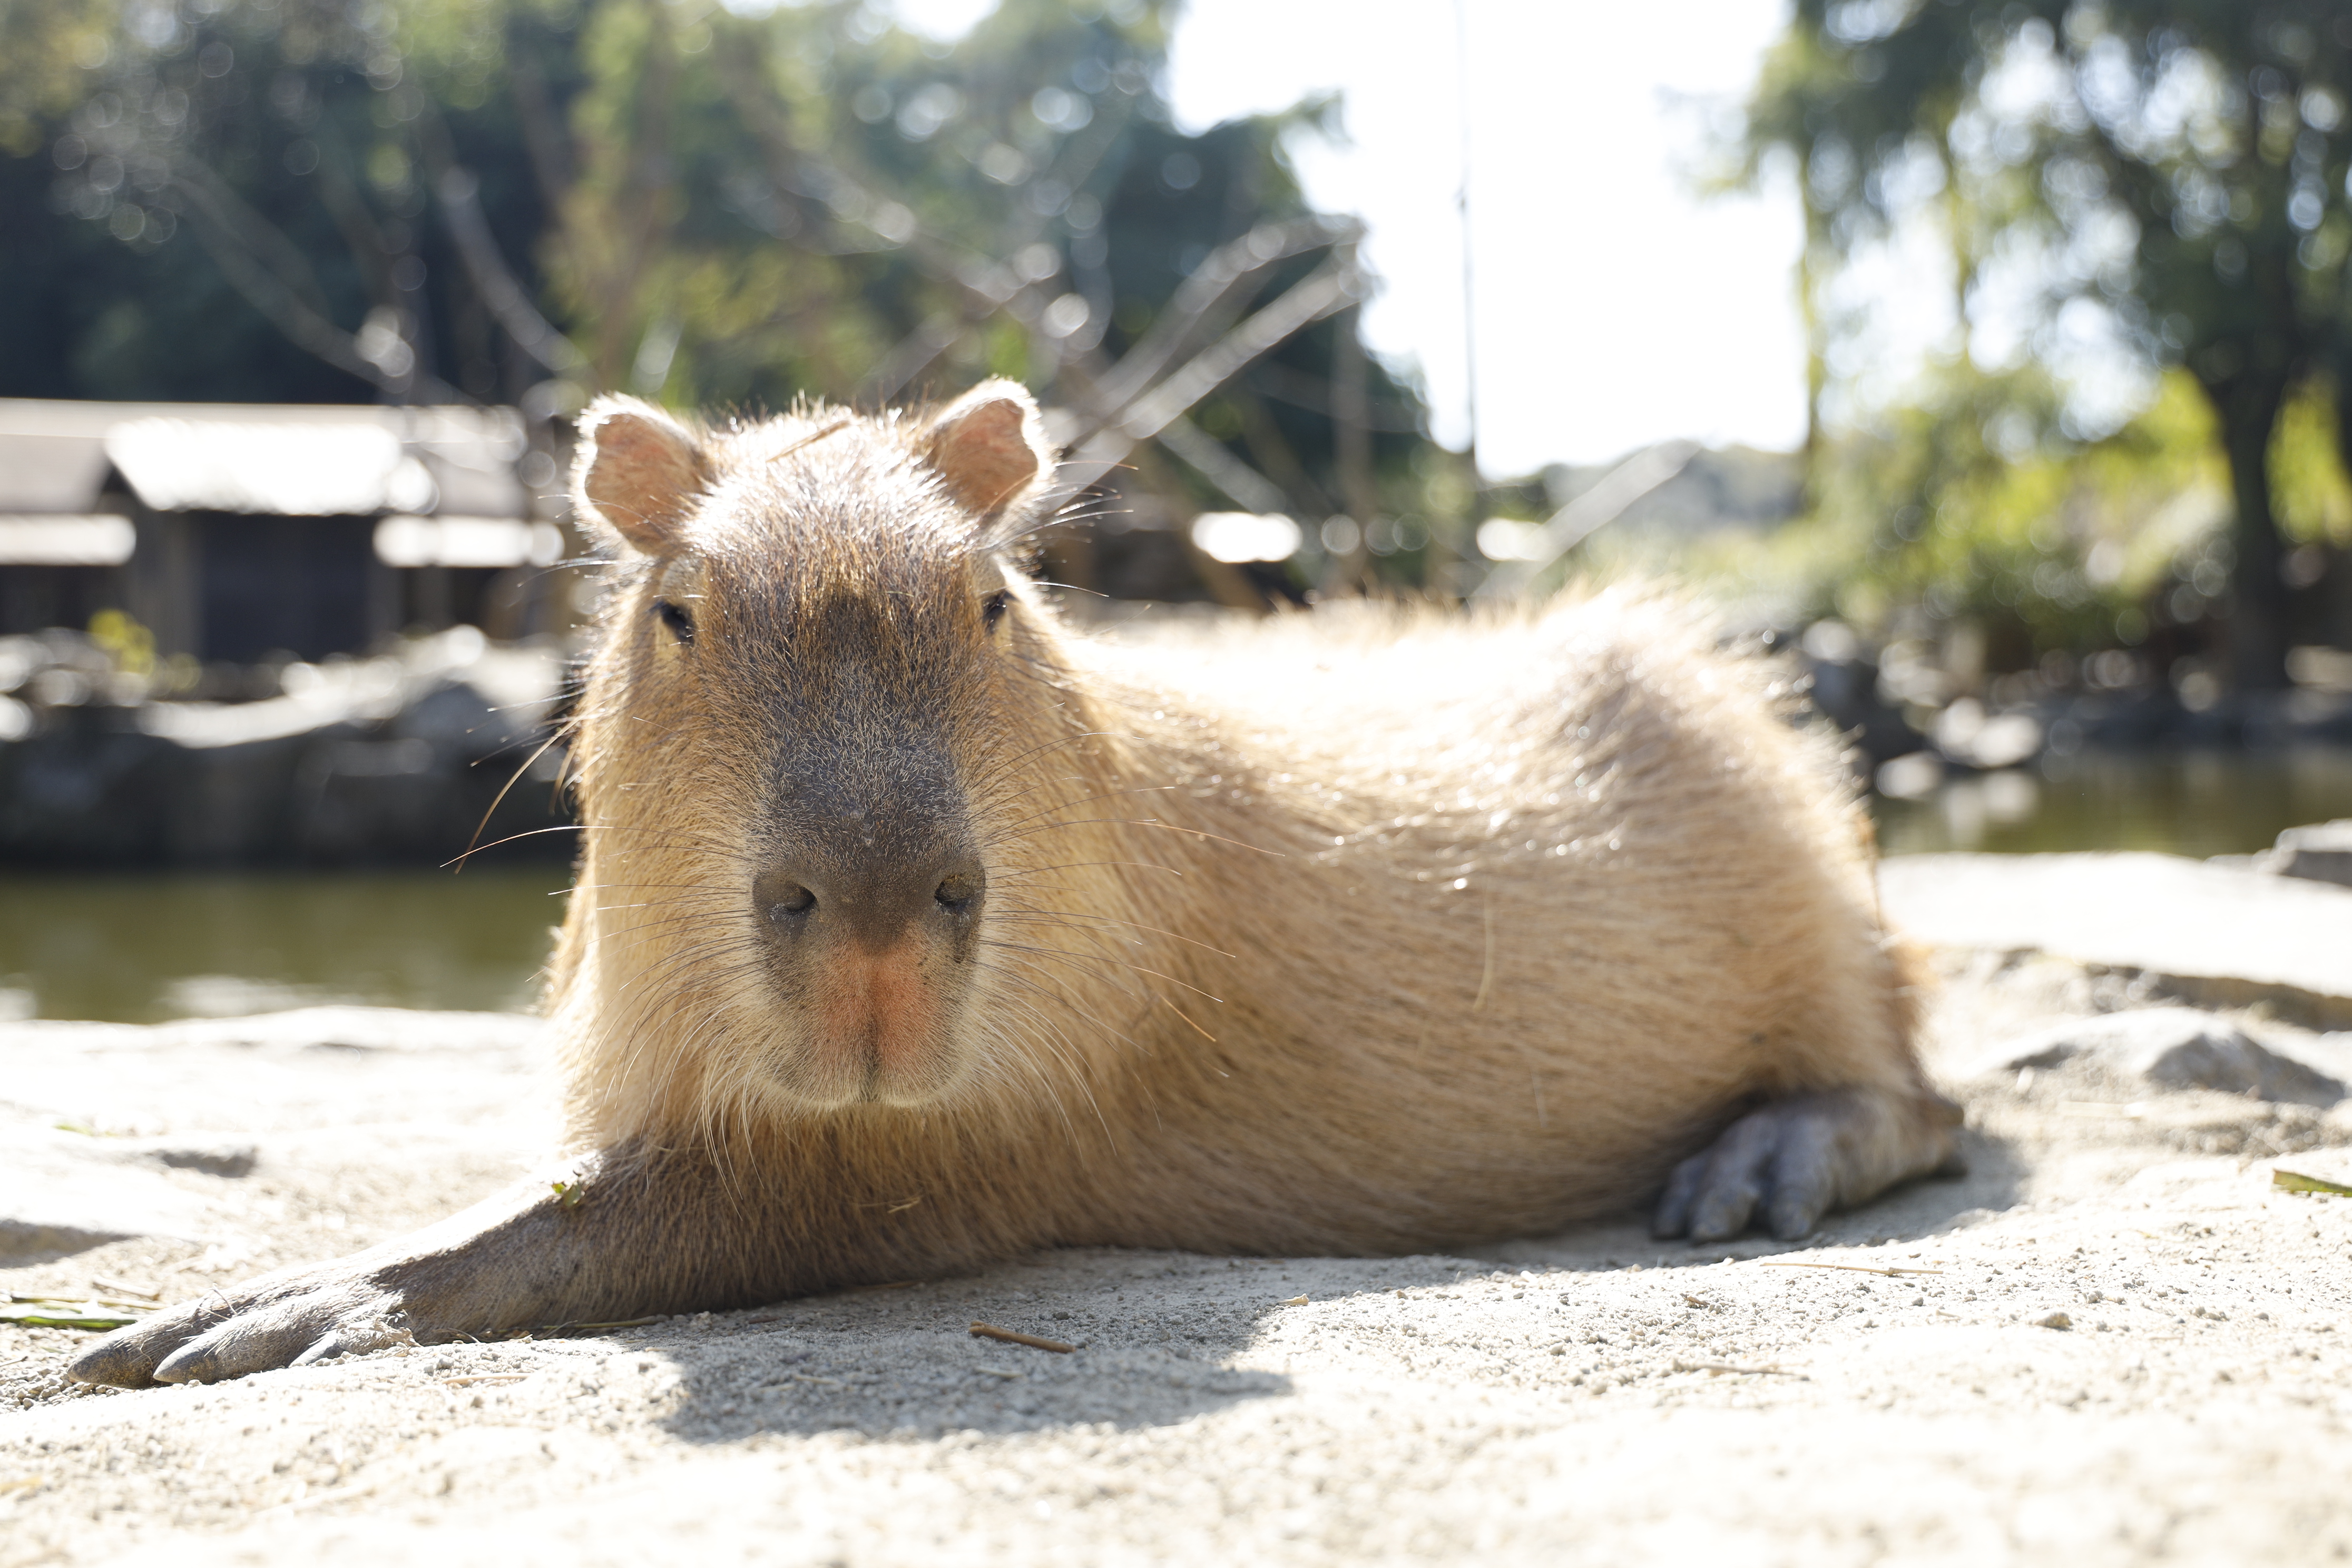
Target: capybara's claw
{"points": [[1789, 1163], [128, 1357], [259, 1340], [262, 1326], [118, 1361]]}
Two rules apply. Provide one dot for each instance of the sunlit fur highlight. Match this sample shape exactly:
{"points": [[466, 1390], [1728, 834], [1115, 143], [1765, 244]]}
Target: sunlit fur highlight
{"points": [[1362, 929]]}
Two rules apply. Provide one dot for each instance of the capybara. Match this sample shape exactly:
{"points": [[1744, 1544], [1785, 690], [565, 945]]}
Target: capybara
{"points": [[914, 929]]}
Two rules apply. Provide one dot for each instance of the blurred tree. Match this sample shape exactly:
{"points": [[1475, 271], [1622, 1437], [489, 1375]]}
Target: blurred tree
{"points": [[1973, 503], [2177, 165], [534, 200]]}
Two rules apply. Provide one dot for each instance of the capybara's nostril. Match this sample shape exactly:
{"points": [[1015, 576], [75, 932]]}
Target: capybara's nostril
{"points": [[784, 900], [963, 881]]}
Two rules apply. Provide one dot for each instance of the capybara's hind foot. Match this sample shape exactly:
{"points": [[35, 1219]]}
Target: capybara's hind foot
{"points": [[1789, 1163]]}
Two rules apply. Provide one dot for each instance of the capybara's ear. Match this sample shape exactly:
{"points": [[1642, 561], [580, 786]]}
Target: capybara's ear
{"points": [[989, 446], [638, 472]]}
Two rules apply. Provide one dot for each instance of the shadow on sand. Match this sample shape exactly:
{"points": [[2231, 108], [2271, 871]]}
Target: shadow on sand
{"points": [[1157, 1334]]}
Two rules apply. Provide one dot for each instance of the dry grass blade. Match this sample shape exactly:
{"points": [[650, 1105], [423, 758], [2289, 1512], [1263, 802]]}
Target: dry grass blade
{"points": [[1850, 1267], [48, 1315], [486, 1377], [79, 1302], [2296, 1182], [1011, 1337]]}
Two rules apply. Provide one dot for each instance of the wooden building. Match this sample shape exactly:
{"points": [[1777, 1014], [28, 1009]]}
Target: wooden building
{"points": [[237, 531]]}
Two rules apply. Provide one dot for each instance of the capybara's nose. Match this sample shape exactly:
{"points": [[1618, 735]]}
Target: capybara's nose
{"points": [[873, 900]]}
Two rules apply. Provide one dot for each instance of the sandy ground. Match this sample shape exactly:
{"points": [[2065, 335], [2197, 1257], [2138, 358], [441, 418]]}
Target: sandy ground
{"points": [[1893, 1391]]}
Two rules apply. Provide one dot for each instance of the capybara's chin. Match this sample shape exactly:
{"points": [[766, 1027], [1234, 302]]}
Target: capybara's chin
{"points": [[821, 1067], [853, 1024]]}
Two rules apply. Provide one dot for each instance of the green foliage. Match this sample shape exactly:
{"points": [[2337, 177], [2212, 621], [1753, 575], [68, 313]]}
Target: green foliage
{"points": [[1973, 503], [2306, 465], [2176, 168], [1977, 504]]}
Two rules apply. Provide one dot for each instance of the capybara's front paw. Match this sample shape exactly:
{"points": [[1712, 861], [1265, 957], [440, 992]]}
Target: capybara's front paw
{"points": [[287, 1319], [1791, 1162]]}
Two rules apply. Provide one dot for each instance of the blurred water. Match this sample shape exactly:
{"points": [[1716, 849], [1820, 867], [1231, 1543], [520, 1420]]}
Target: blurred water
{"points": [[2186, 802], [148, 947], [145, 947]]}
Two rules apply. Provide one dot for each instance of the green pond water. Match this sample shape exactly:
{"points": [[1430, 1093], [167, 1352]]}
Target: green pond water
{"points": [[146, 948], [2183, 802]]}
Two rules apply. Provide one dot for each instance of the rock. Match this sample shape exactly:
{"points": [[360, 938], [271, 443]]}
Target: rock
{"points": [[2322, 853], [2211, 936], [411, 774], [2166, 1048], [2055, 1320], [214, 1158], [169, 1118], [2231, 1062], [67, 1193]]}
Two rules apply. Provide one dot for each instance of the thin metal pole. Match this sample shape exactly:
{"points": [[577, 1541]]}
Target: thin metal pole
{"points": [[1461, 207]]}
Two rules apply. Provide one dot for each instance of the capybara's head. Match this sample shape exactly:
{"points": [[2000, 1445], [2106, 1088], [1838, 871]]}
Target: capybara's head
{"points": [[798, 745]]}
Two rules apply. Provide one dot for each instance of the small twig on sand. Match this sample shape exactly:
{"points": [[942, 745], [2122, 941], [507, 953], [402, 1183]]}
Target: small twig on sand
{"points": [[580, 1327], [1719, 1368], [117, 1288], [1851, 1267], [486, 1377], [320, 1500], [990, 1331], [211, 1260]]}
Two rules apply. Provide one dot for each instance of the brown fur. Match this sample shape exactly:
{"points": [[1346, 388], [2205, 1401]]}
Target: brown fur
{"points": [[1367, 929], [1372, 929]]}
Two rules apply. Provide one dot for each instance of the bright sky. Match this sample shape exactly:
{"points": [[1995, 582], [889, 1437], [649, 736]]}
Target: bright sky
{"points": [[1616, 307]]}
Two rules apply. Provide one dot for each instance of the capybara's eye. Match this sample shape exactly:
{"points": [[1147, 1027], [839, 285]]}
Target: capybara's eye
{"points": [[992, 610], [680, 624]]}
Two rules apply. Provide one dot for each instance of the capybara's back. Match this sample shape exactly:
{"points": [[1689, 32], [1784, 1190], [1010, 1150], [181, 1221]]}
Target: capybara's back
{"points": [[913, 929], [1493, 917]]}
